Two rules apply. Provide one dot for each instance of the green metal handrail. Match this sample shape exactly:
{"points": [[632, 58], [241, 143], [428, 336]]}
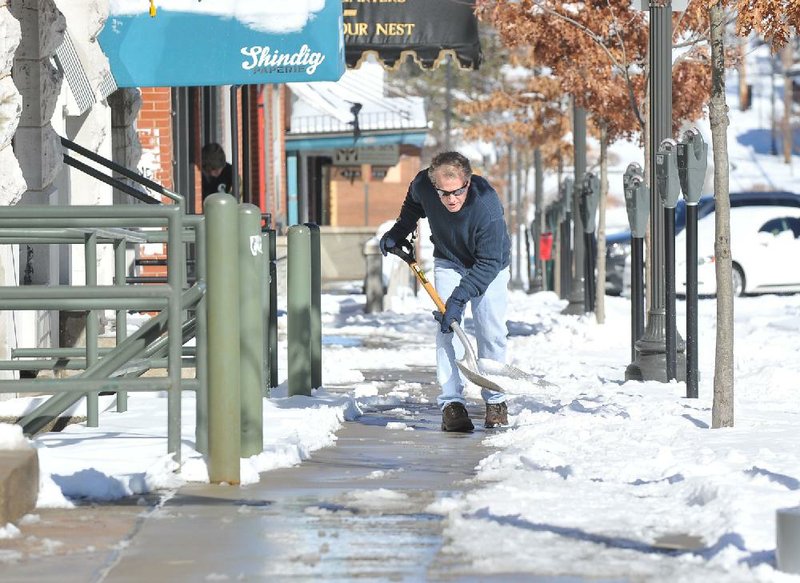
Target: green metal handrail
{"points": [[115, 224]]}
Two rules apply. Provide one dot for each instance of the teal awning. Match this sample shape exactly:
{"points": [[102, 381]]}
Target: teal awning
{"points": [[222, 43], [333, 142]]}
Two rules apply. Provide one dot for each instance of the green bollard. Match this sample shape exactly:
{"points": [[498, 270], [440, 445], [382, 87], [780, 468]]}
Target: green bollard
{"points": [[272, 327], [222, 301], [251, 330], [298, 299], [315, 340], [265, 310]]}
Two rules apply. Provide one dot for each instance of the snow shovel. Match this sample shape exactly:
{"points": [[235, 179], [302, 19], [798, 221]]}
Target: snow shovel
{"points": [[469, 364]]}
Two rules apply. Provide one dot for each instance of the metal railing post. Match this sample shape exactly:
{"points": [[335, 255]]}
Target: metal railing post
{"points": [[201, 340], [176, 277], [298, 299], [224, 434], [120, 273], [251, 329], [92, 325]]}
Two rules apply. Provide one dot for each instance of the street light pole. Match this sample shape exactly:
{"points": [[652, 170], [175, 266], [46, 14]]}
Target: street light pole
{"points": [[650, 362]]}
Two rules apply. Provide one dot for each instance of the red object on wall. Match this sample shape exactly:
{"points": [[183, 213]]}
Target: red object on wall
{"points": [[546, 246]]}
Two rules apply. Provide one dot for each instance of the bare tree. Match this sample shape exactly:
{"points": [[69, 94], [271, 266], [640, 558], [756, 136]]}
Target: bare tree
{"points": [[722, 409]]}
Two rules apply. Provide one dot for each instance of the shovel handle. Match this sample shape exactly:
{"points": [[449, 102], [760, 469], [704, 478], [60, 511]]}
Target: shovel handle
{"points": [[469, 353], [408, 257], [437, 299]]}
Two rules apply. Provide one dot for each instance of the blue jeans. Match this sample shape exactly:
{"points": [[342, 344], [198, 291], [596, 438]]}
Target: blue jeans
{"points": [[489, 318]]}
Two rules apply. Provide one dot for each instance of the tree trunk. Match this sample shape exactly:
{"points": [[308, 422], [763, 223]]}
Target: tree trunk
{"points": [[722, 409], [744, 96], [600, 290], [788, 61]]}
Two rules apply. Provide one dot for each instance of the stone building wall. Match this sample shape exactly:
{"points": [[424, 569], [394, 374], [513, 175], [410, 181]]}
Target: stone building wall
{"points": [[13, 184], [38, 105]]}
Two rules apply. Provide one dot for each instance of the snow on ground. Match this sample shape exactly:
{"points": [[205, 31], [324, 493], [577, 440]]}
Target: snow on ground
{"points": [[600, 472]]}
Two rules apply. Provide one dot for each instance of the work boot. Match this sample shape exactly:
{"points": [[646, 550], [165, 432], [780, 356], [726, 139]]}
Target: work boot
{"points": [[456, 418], [496, 415]]}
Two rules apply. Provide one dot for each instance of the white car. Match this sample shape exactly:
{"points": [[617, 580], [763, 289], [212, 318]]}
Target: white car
{"points": [[765, 249]]}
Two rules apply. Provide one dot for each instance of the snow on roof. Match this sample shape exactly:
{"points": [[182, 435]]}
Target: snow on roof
{"points": [[325, 107], [283, 17]]}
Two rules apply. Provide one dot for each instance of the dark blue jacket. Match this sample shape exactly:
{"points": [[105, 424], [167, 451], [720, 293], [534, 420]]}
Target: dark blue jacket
{"points": [[475, 237]]}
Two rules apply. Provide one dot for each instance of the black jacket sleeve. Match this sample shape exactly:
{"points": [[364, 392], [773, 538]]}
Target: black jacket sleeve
{"points": [[410, 214]]}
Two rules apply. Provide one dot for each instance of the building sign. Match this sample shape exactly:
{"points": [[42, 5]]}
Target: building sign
{"points": [[421, 28], [223, 42], [387, 155], [379, 172], [350, 173]]}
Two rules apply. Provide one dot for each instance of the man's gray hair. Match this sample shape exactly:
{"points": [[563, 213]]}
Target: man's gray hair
{"points": [[450, 165]]}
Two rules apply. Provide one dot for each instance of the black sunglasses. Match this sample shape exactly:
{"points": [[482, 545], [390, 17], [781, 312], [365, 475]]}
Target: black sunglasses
{"points": [[460, 191]]}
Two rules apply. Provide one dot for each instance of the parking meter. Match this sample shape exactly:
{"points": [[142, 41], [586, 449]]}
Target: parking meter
{"points": [[637, 203], [668, 184], [637, 199], [692, 165], [553, 216], [667, 173], [566, 194], [590, 195]]}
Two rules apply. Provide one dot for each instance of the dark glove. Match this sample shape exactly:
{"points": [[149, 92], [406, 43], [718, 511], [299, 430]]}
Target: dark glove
{"points": [[387, 242], [453, 310]]}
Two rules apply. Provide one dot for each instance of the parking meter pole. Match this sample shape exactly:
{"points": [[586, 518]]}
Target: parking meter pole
{"points": [[566, 238], [565, 255], [637, 205], [669, 277], [576, 300], [590, 195], [588, 287], [692, 364], [669, 188], [637, 292], [692, 166]]}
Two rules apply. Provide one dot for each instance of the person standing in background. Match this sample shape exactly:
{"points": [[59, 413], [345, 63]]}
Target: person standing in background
{"points": [[217, 172]]}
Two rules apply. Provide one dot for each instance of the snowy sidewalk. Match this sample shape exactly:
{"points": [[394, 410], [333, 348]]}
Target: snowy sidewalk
{"points": [[365, 508]]}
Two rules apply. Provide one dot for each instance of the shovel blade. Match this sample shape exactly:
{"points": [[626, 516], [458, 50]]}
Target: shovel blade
{"points": [[477, 378], [492, 375]]}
